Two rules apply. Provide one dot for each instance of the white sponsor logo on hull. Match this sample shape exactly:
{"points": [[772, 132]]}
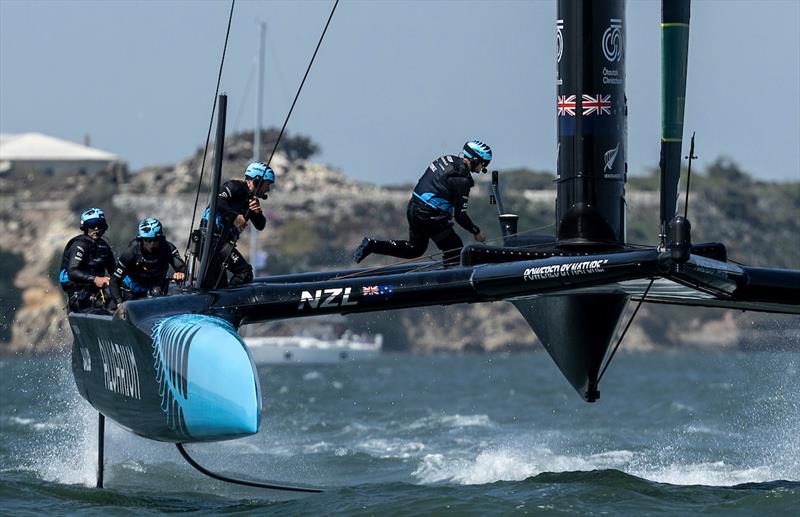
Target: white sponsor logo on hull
{"points": [[569, 269], [120, 373]]}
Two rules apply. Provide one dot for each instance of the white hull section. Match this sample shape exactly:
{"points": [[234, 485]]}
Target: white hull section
{"points": [[310, 350]]}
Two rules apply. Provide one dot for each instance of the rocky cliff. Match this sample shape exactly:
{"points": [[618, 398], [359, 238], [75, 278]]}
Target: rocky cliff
{"points": [[316, 215]]}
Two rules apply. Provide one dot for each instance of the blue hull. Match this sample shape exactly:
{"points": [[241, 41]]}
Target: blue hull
{"points": [[182, 378]]}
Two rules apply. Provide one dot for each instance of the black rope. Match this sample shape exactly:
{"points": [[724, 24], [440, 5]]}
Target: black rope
{"points": [[244, 482], [630, 320], [208, 135], [286, 121]]}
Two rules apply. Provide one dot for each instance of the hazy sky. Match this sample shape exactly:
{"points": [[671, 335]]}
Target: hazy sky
{"points": [[395, 84]]}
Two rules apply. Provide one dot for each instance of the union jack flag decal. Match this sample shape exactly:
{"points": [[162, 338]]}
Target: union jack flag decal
{"points": [[371, 290], [598, 105], [566, 105]]}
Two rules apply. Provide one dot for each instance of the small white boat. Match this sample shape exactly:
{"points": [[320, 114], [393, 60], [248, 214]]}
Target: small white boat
{"points": [[312, 349]]}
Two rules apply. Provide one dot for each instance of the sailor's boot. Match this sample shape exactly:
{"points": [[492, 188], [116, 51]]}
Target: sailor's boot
{"points": [[366, 247]]}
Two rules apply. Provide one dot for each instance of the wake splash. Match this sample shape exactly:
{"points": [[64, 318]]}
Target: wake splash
{"points": [[517, 464], [716, 473], [66, 451], [511, 464]]}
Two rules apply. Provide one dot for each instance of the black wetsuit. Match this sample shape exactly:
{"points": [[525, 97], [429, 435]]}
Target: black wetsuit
{"points": [[234, 199], [140, 274], [83, 260], [441, 194]]}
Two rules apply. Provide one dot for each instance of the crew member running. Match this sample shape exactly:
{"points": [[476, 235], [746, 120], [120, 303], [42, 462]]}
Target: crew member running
{"points": [[86, 263], [142, 269], [237, 204], [441, 194]]}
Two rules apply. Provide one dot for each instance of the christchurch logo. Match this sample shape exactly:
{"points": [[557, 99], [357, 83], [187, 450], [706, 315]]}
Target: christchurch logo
{"points": [[612, 40], [559, 40], [610, 157]]}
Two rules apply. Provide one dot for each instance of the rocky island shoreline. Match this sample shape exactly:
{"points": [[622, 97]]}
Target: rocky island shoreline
{"points": [[316, 216]]}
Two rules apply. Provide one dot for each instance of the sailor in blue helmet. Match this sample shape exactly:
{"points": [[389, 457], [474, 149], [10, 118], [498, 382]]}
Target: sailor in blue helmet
{"points": [[441, 194], [237, 204], [142, 269], [86, 264]]}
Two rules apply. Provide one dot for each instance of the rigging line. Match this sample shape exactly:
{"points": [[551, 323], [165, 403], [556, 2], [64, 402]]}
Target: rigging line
{"points": [[375, 269], [432, 257], [210, 124], [220, 242], [524, 232], [688, 178], [223, 265], [297, 95], [257, 484], [627, 326]]}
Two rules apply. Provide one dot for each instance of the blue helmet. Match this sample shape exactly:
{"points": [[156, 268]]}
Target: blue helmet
{"points": [[259, 170], [150, 228], [93, 218], [477, 149]]}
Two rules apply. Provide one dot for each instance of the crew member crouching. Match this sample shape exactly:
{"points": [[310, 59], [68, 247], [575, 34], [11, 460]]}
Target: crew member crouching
{"points": [[441, 194], [142, 269], [237, 203]]}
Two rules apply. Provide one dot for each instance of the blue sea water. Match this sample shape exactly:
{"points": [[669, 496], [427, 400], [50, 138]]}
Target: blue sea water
{"points": [[672, 434]]}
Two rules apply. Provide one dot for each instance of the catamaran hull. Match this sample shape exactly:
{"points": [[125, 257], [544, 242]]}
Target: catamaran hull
{"points": [[183, 378]]}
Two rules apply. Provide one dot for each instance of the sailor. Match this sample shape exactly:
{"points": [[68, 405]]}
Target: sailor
{"points": [[142, 269], [441, 195], [86, 263], [237, 203]]}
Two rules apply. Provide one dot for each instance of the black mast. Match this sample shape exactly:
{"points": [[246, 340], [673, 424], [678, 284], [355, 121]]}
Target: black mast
{"points": [[219, 146], [592, 113], [576, 330]]}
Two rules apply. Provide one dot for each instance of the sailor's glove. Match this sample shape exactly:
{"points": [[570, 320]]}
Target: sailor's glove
{"points": [[254, 205], [240, 222]]}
